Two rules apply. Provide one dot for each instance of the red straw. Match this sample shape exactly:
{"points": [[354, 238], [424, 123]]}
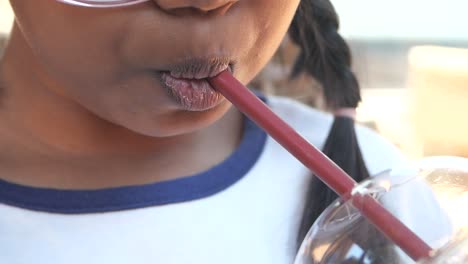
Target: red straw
{"points": [[318, 163]]}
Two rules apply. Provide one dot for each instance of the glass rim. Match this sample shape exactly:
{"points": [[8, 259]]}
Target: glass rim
{"points": [[102, 3]]}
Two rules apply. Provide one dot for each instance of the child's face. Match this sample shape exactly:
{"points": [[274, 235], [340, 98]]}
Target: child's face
{"points": [[111, 61]]}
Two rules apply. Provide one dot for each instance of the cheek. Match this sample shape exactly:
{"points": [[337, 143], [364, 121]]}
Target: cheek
{"points": [[272, 21], [71, 46]]}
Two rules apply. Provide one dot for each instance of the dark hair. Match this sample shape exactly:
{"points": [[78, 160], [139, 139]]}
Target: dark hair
{"points": [[325, 56]]}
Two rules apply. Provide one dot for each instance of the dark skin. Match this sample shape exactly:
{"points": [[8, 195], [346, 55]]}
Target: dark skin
{"points": [[81, 108]]}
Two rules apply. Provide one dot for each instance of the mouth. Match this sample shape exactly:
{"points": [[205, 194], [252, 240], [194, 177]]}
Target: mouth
{"points": [[187, 83]]}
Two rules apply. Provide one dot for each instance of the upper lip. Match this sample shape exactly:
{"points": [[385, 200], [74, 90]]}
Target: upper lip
{"points": [[199, 68]]}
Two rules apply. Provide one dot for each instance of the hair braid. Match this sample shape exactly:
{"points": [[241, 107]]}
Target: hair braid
{"points": [[324, 53], [326, 56]]}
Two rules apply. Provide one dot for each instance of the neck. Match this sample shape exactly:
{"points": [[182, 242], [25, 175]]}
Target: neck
{"points": [[51, 141]]}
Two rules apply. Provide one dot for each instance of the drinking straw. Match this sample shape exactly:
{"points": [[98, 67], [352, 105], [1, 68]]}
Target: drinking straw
{"points": [[332, 175]]}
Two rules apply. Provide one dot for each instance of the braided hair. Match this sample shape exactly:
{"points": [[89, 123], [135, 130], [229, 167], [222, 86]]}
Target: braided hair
{"points": [[325, 56]]}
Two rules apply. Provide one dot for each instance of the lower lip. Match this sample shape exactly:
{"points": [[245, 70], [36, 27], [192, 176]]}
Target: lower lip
{"points": [[191, 94]]}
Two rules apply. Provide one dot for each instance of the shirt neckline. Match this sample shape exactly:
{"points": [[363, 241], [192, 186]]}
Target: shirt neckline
{"points": [[185, 189]]}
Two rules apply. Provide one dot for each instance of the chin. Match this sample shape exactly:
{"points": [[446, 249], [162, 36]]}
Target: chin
{"points": [[183, 122]]}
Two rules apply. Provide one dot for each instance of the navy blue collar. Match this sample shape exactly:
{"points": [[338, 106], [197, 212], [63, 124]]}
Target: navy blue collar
{"points": [[183, 189]]}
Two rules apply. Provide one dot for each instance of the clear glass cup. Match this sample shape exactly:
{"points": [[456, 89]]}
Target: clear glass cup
{"points": [[429, 196]]}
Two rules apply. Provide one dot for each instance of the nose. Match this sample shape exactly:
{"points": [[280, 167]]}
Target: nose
{"points": [[181, 7]]}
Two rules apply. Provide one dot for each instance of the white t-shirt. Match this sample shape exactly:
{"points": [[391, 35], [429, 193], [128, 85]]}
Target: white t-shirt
{"points": [[245, 210]]}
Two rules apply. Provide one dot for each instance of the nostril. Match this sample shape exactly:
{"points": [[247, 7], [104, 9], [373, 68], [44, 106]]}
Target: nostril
{"points": [[215, 7], [185, 11], [195, 7]]}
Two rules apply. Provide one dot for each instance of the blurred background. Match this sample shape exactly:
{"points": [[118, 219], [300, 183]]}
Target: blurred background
{"points": [[411, 58]]}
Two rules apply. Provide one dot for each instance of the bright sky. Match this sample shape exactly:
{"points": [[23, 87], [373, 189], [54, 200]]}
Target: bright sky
{"points": [[6, 16], [404, 19]]}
